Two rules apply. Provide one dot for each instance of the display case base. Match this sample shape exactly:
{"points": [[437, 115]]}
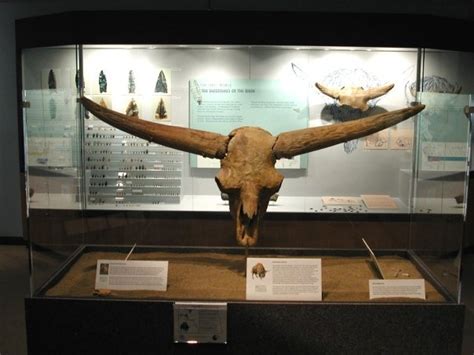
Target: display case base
{"points": [[140, 325], [85, 326]]}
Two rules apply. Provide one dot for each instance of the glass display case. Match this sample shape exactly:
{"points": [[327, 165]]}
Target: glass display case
{"points": [[387, 206]]}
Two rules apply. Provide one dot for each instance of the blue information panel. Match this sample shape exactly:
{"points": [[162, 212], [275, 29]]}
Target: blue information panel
{"points": [[443, 132], [221, 106]]}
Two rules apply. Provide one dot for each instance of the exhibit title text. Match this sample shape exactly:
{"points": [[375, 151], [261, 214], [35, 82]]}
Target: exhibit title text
{"points": [[229, 91]]}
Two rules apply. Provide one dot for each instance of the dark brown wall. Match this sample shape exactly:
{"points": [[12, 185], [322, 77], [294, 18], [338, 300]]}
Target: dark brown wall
{"points": [[281, 230]]}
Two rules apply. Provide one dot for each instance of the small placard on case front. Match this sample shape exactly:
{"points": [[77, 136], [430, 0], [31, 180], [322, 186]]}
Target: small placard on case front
{"points": [[284, 279], [397, 288], [131, 275], [200, 322]]}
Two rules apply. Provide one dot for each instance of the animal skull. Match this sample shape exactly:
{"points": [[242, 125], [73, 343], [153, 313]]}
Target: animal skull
{"points": [[248, 154], [249, 177], [355, 97]]}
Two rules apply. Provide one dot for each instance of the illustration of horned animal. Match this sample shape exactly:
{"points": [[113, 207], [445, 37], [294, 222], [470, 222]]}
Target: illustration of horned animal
{"points": [[248, 154], [259, 271], [355, 97]]}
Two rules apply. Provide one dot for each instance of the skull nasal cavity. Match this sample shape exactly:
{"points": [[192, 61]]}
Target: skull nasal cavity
{"points": [[249, 198]]}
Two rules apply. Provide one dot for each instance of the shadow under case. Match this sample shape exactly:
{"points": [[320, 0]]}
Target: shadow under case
{"points": [[94, 192]]}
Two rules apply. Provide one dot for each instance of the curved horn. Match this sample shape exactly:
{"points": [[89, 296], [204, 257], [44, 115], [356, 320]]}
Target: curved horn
{"points": [[334, 93], [289, 144], [208, 144], [379, 91]]}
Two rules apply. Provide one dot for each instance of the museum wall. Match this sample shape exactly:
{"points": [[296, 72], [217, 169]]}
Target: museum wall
{"points": [[11, 176]]}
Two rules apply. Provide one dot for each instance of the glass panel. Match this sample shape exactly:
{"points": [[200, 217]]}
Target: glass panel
{"points": [[237, 86], [471, 135], [442, 155], [401, 189], [441, 172], [52, 156]]}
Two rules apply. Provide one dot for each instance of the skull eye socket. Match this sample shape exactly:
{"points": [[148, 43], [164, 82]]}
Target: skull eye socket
{"points": [[268, 190], [219, 184], [223, 187]]}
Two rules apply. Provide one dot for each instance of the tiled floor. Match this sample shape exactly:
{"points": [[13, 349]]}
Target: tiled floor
{"points": [[14, 285]]}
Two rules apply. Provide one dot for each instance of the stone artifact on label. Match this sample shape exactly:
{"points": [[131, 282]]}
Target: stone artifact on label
{"points": [[131, 82], [132, 109], [102, 82], [161, 110], [161, 85], [52, 80]]}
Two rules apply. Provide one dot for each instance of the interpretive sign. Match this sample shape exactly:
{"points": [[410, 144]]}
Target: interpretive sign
{"points": [[284, 279], [443, 132], [131, 275], [221, 106], [396, 288]]}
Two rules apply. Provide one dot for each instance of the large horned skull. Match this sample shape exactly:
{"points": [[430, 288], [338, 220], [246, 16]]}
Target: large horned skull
{"points": [[249, 177], [355, 97], [248, 154]]}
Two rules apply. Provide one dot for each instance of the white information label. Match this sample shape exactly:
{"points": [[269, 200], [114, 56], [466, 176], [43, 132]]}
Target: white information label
{"points": [[410, 288], [379, 201], [199, 322], [284, 279], [131, 275]]}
